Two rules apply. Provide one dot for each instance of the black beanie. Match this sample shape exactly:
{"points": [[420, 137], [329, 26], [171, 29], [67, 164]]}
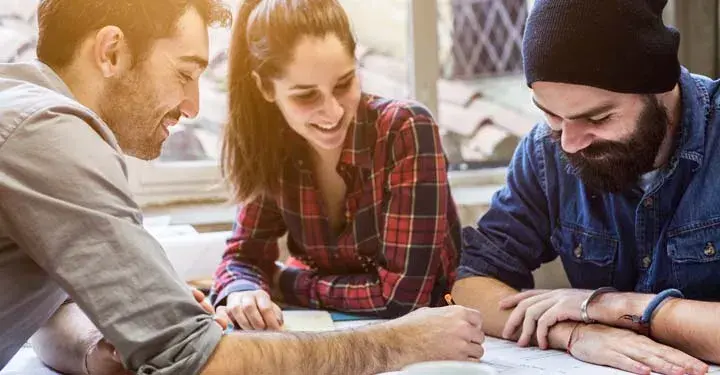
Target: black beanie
{"points": [[616, 45]]}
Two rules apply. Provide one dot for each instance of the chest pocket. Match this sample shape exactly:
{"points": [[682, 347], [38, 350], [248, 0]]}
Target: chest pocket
{"points": [[588, 257], [695, 256]]}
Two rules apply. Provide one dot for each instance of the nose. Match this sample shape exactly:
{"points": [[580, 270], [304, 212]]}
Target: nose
{"points": [[332, 111], [575, 137], [190, 106]]}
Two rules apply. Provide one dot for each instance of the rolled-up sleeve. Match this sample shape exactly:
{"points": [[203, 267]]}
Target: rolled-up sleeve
{"points": [[66, 200], [513, 238]]}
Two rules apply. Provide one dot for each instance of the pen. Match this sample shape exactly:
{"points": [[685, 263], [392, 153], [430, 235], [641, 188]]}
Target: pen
{"points": [[230, 328], [449, 299]]}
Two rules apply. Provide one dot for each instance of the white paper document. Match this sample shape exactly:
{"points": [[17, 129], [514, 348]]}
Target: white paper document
{"points": [[509, 359], [307, 321]]}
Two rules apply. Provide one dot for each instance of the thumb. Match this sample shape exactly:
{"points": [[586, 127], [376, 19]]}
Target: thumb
{"points": [[222, 318]]}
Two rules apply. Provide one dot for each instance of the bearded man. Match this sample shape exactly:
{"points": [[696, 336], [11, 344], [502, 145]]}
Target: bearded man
{"points": [[620, 183]]}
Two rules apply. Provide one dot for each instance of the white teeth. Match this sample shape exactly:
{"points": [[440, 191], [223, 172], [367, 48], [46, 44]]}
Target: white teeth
{"points": [[326, 127]]}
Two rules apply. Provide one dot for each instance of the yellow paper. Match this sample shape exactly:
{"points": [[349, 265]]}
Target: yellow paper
{"points": [[307, 321]]}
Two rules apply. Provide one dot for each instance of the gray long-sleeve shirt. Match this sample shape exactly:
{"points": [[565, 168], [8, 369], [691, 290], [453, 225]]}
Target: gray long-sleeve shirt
{"points": [[69, 226]]}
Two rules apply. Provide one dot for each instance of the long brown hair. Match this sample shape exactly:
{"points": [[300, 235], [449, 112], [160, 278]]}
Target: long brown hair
{"points": [[264, 37]]}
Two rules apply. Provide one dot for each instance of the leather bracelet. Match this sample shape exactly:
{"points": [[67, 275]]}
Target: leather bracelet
{"points": [[643, 321], [584, 306]]}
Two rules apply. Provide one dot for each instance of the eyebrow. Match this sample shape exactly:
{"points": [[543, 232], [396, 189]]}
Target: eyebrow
{"points": [[200, 61], [305, 87], [584, 115]]}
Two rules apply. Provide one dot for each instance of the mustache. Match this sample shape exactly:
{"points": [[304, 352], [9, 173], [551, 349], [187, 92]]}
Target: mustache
{"points": [[597, 148]]}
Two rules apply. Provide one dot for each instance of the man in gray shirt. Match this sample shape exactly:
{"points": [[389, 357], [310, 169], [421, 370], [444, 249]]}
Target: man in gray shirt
{"points": [[112, 77]]}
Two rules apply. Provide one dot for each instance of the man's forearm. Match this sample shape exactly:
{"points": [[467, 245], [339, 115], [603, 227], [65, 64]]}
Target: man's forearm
{"points": [[484, 294], [369, 350], [691, 326], [65, 339]]}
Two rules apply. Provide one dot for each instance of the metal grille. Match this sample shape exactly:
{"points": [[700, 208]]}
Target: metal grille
{"points": [[18, 30], [487, 37]]}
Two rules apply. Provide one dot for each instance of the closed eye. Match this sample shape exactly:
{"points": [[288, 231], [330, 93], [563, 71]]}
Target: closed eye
{"points": [[186, 77], [308, 96], [600, 121], [344, 86]]}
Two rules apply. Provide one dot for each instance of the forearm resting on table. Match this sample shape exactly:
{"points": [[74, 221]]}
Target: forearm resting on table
{"points": [[484, 294], [65, 339], [368, 350], [690, 326]]}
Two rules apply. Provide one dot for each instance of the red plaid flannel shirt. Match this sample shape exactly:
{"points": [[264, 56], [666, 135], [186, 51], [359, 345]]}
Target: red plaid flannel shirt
{"points": [[400, 247]]}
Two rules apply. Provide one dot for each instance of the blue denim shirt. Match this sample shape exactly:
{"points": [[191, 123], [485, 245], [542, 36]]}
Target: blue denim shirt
{"points": [[665, 237]]}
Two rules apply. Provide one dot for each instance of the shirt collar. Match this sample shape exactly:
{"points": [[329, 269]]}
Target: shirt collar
{"points": [[361, 137], [696, 112], [53, 80]]}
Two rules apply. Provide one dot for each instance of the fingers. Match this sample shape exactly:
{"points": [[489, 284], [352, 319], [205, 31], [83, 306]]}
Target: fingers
{"points": [[237, 316], [207, 307], [474, 351], [624, 362], [472, 316], [199, 296], [268, 312], [547, 320], [222, 318], [653, 362], [518, 315], [532, 315], [474, 334], [676, 361], [473, 337], [660, 358], [249, 306], [254, 310], [236, 306], [478, 337], [278, 314], [512, 301]]}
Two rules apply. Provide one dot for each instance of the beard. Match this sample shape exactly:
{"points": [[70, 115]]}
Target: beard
{"points": [[614, 166], [128, 106]]}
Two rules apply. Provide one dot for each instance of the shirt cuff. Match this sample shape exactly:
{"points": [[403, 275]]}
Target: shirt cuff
{"points": [[463, 272], [188, 356], [233, 287], [481, 258], [296, 287]]}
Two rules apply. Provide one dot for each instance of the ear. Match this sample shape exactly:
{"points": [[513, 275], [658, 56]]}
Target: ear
{"points": [[267, 94], [110, 52]]}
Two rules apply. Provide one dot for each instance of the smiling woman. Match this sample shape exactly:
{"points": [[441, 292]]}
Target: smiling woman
{"points": [[358, 182]]}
